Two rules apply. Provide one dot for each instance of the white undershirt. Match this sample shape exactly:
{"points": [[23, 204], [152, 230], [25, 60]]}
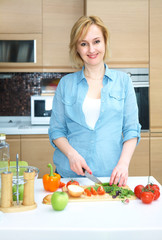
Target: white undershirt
{"points": [[91, 110]]}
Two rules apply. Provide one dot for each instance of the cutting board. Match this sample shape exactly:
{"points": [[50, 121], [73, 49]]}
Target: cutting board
{"points": [[105, 197]]}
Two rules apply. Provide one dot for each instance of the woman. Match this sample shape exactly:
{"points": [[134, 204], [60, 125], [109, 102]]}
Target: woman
{"points": [[94, 123]]}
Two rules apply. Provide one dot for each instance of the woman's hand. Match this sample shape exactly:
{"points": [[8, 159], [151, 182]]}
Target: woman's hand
{"points": [[77, 162], [119, 174]]}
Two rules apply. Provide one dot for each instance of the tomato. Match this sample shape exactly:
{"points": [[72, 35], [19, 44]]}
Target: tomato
{"points": [[138, 191], [147, 197], [152, 186], [88, 192], [156, 194], [72, 182], [93, 191], [100, 190], [61, 185]]}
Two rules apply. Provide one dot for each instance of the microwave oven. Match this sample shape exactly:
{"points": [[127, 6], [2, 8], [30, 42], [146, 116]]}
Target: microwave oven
{"points": [[41, 108]]}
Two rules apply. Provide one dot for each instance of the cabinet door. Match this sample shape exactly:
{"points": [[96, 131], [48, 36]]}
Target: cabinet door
{"points": [[156, 65], [127, 21], [156, 156], [58, 19], [37, 151], [21, 16], [139, 165], [14, 146]]}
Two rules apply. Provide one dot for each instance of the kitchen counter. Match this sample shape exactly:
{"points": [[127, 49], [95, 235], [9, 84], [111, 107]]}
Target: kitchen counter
{"points": [[86, 220], [20, 125]]}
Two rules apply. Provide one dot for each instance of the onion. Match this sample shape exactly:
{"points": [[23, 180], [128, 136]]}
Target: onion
{"points": [[75, 190]]}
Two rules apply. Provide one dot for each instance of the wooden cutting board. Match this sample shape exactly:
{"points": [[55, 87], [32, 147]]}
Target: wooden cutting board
{"points": [[105, 197]]}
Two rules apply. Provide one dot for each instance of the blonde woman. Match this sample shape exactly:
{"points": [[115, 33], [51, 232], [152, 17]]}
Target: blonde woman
{"points": [[94, 123]]}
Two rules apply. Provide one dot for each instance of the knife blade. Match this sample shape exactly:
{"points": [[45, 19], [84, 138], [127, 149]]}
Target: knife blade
{"points": [[91, 177]]}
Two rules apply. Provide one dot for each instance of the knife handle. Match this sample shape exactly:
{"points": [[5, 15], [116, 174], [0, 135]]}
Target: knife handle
{"points": [[83, 170]]}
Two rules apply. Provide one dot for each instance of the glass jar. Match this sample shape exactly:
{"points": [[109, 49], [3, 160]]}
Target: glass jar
{"points": [[4, 151]]}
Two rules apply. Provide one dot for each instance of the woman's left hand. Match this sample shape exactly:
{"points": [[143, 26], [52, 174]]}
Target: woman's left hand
{"points": [[119, 174]]}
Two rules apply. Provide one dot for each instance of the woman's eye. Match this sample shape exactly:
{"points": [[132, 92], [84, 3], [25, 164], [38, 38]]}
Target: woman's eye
{"points": [[97, 41], [83, 44]]}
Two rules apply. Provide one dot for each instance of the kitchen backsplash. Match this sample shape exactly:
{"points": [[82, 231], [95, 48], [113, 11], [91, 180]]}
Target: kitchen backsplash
{"points": [[16, 89]]}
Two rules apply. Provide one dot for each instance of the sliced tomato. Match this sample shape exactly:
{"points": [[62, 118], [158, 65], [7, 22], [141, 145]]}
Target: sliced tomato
{"points": [[93, 191], [61, 185], [72, 182], [147, 197], [156, 194], [87, 192], [100, 190], [138, 190]]}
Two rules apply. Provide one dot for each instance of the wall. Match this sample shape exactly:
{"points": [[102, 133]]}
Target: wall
{"points": [[16, 89]]}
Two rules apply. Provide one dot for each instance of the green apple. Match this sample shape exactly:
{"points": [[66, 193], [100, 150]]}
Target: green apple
{"points": [[21, 192], [59, 200]]}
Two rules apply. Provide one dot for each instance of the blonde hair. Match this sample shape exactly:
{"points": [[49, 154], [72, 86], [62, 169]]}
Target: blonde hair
{"points": [[85, 22]]}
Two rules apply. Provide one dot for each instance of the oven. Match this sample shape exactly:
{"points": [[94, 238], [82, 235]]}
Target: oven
{"points": [[140, 79]]}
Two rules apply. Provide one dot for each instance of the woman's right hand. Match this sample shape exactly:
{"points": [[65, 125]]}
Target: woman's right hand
{"points": [[77, 163]]}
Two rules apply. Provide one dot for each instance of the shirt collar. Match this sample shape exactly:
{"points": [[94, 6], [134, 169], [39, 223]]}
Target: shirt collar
{"points": [[108, 73]]}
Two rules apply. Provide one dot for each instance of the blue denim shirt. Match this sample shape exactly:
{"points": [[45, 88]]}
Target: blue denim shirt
{"points": [[118, 121]]}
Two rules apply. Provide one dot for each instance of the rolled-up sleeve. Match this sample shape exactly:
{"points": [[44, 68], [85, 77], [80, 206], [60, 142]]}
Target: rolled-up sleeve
{"points": [[57, 127], [131, 125]]}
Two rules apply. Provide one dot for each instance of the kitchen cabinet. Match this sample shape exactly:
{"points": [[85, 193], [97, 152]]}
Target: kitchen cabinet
{"points": [[21, 16], [37, 151], [156, 155], [58, 19], [14, 145], [155, 65], [127, 21], [139, 165]]}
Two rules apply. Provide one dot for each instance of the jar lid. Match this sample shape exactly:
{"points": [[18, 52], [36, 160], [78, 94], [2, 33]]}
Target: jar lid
{"points": [[2, 136]]}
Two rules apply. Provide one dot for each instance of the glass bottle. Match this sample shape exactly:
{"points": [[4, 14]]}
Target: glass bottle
{"points": [[4, 152]]}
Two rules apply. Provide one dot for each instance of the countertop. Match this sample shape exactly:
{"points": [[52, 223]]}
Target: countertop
{"points": [[104, 220], [20, 125]]}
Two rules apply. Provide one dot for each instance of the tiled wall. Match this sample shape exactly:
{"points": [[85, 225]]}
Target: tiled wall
{"points": [[16, 89]]}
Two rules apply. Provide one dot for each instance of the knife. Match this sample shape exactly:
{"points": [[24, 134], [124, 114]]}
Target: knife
{"points": [[91, 177]]}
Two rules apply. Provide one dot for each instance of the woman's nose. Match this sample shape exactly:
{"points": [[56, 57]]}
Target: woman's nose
{"points": [[91, 48]]}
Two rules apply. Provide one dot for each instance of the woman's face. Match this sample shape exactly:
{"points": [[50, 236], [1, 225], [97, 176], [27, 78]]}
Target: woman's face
{"points": [[91, 48]]}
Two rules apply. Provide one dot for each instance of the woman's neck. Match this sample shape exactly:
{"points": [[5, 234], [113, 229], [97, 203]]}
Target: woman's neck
{"points": [[94, 72]]}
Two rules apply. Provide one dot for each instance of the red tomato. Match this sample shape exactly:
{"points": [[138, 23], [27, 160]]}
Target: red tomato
{"points": [[93, 191], [138, 191], [152, 186], [100, 190], [88, 192], [156, 194], [72, 182], [147, 197], [61, 185]]}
